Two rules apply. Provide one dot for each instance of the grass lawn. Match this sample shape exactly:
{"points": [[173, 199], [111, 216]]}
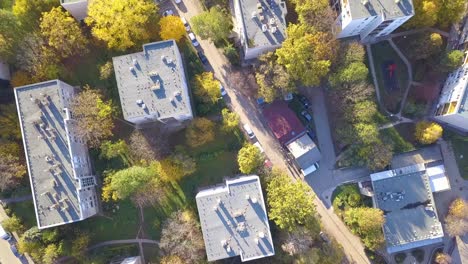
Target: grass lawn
{"points": [[383, 52], [151, 253], [460, 148], [400, 136]]}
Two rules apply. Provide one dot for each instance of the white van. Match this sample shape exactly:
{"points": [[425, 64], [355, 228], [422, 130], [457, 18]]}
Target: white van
{"points": [[249, 131], [4, 235], [186, 24]]}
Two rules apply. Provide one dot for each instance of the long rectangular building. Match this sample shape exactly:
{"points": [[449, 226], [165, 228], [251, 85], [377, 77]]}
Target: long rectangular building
{"points": [[62, 181]]}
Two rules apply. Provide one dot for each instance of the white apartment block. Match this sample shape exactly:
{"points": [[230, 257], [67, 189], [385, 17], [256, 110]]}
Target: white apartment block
{"points": [[370, 19], [452, 107], [60, 172], [261, 25], [77, 8], [152, 85]]}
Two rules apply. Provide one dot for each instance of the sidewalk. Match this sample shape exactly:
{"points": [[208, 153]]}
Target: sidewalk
{"points": [[6, 256]]}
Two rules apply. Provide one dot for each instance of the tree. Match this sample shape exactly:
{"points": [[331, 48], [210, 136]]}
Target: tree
{"points": [[13, 224], [206, 87], [376, 155], [32, 234], [315, 13], [93, 116], [200, 132], [291, 203], [172, 259], [9, 124], [352, 73], [111, 149], [140, 148], [367, 223], [176, 167], [29, 11], [425, 45], [427, 132], [426, 12], [124, 183], [106, 70], [249, 159], [150, 193], [272, 78], [230, 120], [50, 254], [10, 34], [171, 28], [452, 60], [11, 172], [213, 24], [80, 244], [457, 219], [33, 248], [20, 78], [354, 53], [122, 24], [306, 55], [450, 11], [181, 236], [459, 208], [298, 242], [63, 33], [443, 258]]}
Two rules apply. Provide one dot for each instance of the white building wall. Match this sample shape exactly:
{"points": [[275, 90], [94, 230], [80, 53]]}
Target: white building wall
{"points": [[353, 28], [78, 9]]}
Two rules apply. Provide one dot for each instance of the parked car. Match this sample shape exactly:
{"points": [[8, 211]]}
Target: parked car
{"points": [[306, 115], [186, 24], [324, 237], [4, 235], [194, 40], [222, 90], [15, 251], [259, 146], [304, 101], [168, 12], [288, 97], [249, 131], [202, 57]]}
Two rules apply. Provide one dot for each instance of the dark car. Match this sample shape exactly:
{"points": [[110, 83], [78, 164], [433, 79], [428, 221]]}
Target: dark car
{"points": [[15, 251], [202, 57], [306, 115], [304, 101]]}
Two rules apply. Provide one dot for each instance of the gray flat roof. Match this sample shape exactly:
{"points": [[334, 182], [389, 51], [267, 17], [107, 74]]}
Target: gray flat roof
{"points": [[418, 156], [405, 197], [234, 220], [304, 151], [156, 77], [390, 8], [50, 154], [264, 22]]}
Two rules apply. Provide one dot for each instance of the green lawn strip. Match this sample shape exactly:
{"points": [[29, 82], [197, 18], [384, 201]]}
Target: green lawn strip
{"points": [[460, 148], [109, 254], [152, 254], [392, 136], [25, 211]]}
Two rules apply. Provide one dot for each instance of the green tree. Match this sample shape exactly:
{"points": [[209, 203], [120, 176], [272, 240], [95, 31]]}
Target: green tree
{"points": [[315, 13], [376, 155], [29, 11], [273, 80], [213, 24], [291, 203], [354, 53], [13, 224], [93, 116], [367, 223], [33, 248], [172, 259], [176, 167], [426, 12], [106, 70], [62, 33], [171, 28], [20, 78], [50, 254], [79, 245], [10, 34], [11, 172], [200, 132], [230, 120], [124, 183], [427, 132], [450, 11], [352, 73], [452, 60], [306, 55], [206, 87], [122, 24], [9, 124], [111, 149], [425, 45], [249, 159]]}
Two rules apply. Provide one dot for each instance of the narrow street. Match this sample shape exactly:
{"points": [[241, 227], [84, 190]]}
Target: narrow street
{"points": [[249, 113]]}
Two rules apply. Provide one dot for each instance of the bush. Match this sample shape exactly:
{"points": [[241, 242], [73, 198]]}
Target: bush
{"points": [[232, 54], [400, 257], [418, 254], [346, 196]]}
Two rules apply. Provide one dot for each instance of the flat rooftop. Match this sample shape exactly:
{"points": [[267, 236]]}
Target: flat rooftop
{"points": [[405, 197], [48, 152], [391, 8], [152, 82], [304, 151], [234, 220], [264, 22]]}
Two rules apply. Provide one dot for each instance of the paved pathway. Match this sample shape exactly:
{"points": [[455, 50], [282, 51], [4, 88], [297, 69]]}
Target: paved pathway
{"points": [[410, 75], [16, 199], [399, 121]]}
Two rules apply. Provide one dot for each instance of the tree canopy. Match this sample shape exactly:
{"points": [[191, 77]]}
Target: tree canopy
{"points": [[206, 87], [29, 11], [93, 116], [213, 24], [200, 132], [452, 60], [122, 24], [171, 28], [456, 221], [62, 33], [427, 132], [273, 80], [306, 54], [10, 34], [11, 172], [315, 13], [291, 203], [249, 159], [230, 120], [367, 223], [9, 124]]}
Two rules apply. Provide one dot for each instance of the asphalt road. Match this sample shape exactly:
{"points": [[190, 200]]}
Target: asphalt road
{"points": [[250, 114]]}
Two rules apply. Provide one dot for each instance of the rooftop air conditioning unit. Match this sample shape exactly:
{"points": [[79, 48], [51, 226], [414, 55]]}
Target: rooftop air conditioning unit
{"points": [[131, 69], [135, 62], [264, 27], [273, 29], [364, 2], [254, 14]]}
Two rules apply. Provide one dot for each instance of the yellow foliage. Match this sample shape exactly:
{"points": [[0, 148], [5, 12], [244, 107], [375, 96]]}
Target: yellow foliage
{"points": [[428, 132], [459, 208], [206, 87], [200, 132], [168, 170], [20, 78], [171, 28]]}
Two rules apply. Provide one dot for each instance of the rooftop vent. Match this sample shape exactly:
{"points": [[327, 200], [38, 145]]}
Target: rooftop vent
{"points": [[247, 197], [364, 2], [264, 28], [273, 29], [272, 21], [261, 235], [135, 62], [254, 14], [139, 101], [144, 106], [254, 200], [131, 69], [177, 93]]}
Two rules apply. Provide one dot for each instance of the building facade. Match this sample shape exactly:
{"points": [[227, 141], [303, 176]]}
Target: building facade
{"points": [[62, 181], [452, 107], [152, 85], [370, 20], [261, 25], [77, 8]]}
